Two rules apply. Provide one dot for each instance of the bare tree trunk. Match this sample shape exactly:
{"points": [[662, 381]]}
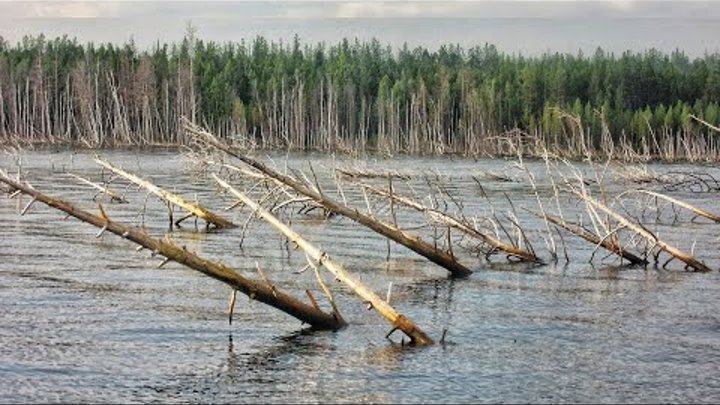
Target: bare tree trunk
{"points": [[194, 209], [415, 244], [608, 243], [398, 320], [689, 260], [453, 222], [263, 292]]}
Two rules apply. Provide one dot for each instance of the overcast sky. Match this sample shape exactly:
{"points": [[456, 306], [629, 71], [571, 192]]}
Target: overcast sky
{"points": [[516, 26]]}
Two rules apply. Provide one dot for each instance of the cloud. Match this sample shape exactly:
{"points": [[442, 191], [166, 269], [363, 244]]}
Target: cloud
{"points": [[395, 9], [68, 9], [398, 9], [354, 9]]}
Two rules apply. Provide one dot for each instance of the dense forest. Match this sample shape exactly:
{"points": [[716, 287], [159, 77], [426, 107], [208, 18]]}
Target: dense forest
{"points": [[362, 96]]}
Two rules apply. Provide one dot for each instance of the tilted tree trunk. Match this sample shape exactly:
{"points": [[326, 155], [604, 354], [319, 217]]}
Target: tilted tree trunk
{"points": [[262, 292], [413, 243], [607, 243], [689, 260], [397, 319], [194, 209], [449, 220], [693, 209]]}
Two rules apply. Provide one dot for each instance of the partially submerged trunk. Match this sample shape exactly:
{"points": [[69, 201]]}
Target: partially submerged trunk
{"points": [[322, 259], [262, 292], [194, 209], [695, 210], [453, 222], [608, 243], [413, 243], [114, 197], [689, 260]]}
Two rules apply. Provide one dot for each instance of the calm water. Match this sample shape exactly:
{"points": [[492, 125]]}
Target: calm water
{"points": [[85, 319]]}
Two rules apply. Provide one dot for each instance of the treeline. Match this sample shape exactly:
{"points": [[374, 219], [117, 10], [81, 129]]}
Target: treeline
{"points": [[361, 96]]}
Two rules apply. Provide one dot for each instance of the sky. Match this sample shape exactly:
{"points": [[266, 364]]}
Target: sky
{"points": [[515, 26]]}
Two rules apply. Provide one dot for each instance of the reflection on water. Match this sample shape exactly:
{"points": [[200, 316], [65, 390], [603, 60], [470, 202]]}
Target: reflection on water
{"points": [[85, 319]]}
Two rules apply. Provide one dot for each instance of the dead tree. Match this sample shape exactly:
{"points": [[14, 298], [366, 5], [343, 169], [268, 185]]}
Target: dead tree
{"points": [[322, 259], [607, 242], [263, 292], [683, 204], [449, 220], [114, 197], [676, 253], [193, 209], [413, 243]]}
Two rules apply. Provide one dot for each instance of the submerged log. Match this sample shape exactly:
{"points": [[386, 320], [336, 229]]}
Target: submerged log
{"points": [[192, 208], [606, 243], [453, 222], [399, 321], [258, 291], [689, 260], [413, 243]]}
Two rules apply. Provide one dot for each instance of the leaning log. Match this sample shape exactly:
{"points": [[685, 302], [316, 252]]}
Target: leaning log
{"points": [[114, 197], [607, 243], [194, 209], [689, 260], [262, 292], [399, 321], [413, 243], [453, 222], [695, 210]]}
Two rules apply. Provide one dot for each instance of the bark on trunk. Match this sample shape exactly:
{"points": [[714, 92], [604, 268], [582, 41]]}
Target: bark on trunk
{"points": [[258, 291], [399, 321], [415, 244]]}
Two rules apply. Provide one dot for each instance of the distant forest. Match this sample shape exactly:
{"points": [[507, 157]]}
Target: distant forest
{"points": [[361, 96]]}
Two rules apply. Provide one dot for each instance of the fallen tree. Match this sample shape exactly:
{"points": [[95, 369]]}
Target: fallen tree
{"points": [[263, 292], [114, 197], [676, 253], [449, 220], [415, 244], [194, 209], [322, 259], [697, 211], [608, 243]]}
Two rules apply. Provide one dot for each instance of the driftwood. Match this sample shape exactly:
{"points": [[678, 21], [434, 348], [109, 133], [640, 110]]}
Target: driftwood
{"points": [[415, 244], [322, 259], [607, 243], [453, 222], [114, 197], [689, 260], [258, 291], [192, 208]]}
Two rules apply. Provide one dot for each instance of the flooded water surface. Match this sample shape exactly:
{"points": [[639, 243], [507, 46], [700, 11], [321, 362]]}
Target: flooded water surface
{"points": [[87, 319]]}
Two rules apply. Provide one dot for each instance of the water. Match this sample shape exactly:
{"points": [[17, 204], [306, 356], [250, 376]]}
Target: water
{"points": [[85, 319]]}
